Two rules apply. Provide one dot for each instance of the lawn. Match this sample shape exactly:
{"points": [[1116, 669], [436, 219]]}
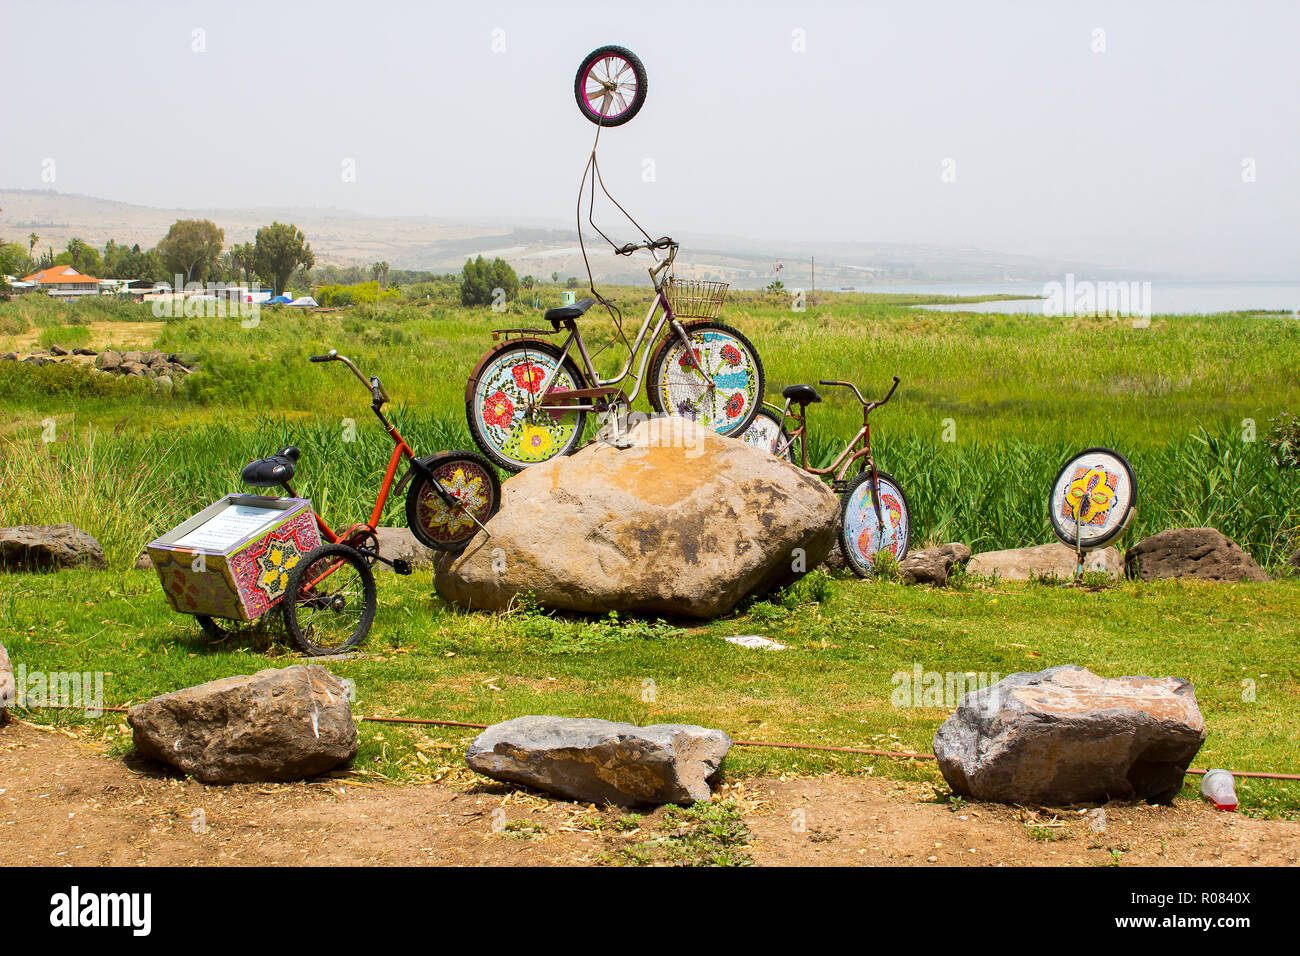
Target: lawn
{"points": [[1188, 399]]}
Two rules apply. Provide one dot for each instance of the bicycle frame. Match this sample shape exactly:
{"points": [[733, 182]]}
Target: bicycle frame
{"points": [[843, 462], [610, 386]]}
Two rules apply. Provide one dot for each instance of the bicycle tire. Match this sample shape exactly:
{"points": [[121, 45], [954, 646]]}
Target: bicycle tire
{"points": [[767, 432], [1125, 515], [855, 522], [664, 403], [581, 85], [298, 594], [492, 378], [469, 478]]}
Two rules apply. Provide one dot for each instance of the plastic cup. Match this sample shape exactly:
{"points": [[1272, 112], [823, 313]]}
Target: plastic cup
{"points": [[1216, 786]]}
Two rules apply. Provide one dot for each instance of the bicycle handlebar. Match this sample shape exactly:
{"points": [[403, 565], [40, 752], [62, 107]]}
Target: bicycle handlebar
{"points": [[888, 395], [663, 242], [378, 396]]}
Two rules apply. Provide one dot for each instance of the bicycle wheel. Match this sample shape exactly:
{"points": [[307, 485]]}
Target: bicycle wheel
{"points": [[862, 537], [610, 86], [471, 481], [767, 433], [507, 382], [677, 388], [329, 601], [1093, 497]]}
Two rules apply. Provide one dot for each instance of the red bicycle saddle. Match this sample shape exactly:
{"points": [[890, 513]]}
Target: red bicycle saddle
{"points": [[272, 470]]}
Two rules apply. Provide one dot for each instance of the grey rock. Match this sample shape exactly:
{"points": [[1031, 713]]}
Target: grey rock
{"points": [[1202, 554], [1053, 560], [39, 360], [397, 543], [144, 562], [1064, 736], [58, 350], [1294, 563], [933, 565], [154, 357], [164, 383], [601, 761], [84, 351], [685, 523], [48, 548], [108, 360], [134, 356], [9, 357], [277, 724], [8, 690]]}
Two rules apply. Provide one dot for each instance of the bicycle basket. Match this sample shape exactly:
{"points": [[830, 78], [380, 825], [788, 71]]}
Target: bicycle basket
{"points": [[695, 298]]}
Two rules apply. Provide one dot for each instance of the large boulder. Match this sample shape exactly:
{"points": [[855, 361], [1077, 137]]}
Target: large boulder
{"points": [[1203, 554], [601, 761], [933, 565], [1064, 736], [48, 548], [8, 689], [277, 724], [1052, 560], [683, 523]]}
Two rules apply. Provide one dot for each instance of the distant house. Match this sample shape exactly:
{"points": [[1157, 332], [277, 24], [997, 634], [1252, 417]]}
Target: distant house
{"points": [[64, 282]]}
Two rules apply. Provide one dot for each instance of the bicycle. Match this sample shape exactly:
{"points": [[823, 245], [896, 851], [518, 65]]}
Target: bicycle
{"points": [[874, 511], [329, 600], [527, 399]]}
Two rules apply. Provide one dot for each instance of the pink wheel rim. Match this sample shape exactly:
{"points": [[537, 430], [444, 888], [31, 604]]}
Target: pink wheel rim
{"points": [[622, 74]]}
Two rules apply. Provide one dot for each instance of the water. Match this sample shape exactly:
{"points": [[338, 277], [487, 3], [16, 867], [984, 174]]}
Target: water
{"points": [[1168, 297]]}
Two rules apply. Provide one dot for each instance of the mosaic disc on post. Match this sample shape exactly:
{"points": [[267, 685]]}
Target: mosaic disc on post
{"points": [[1093, 498]]}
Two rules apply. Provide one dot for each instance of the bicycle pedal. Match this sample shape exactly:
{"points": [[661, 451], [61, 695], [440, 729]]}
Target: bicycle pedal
{"points": [[402, 566]]}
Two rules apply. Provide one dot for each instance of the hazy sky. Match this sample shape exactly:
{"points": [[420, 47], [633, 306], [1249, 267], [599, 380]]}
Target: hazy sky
{"points": [[1129, 157]]}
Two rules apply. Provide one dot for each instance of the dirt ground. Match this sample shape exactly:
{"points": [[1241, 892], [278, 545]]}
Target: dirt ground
{"points": [[64, 801]]}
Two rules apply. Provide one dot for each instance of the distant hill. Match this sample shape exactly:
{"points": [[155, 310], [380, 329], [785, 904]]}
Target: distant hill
{"points": [[342, 237]]}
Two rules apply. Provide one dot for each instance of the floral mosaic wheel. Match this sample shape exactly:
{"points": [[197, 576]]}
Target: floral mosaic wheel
{"points": [[470, 480], [503, 406], [1093, 498], [862, 535], [676, 386], [766, 433]]}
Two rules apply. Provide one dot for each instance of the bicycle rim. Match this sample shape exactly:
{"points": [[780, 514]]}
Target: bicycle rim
{"points": [[863, 536], [728, 408], [469, 481], [513, 435], [334, 604]]}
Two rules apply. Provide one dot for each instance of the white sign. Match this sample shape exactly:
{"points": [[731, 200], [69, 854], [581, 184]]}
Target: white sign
{"points": [[229, 526]]}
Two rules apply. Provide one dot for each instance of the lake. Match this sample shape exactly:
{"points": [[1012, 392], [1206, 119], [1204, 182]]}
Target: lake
{"points": [[1167, 296]]}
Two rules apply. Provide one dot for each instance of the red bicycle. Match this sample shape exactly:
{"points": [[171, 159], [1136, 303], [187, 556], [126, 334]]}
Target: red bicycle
{"points": [[329, 598]]}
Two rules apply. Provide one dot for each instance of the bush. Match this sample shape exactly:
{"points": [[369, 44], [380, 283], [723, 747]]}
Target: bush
{"points": [[481, 279], [1284, 440]]}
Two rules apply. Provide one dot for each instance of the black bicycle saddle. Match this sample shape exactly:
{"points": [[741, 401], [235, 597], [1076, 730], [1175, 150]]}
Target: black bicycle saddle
{"points": [[801, 394], [569, 311], [272, 470]]}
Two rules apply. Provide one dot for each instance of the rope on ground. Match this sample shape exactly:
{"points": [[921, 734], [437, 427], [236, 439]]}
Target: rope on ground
{"points": [[772, 744]]}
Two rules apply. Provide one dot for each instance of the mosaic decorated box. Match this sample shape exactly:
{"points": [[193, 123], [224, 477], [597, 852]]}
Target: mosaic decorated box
{"points": [[233, 558]]}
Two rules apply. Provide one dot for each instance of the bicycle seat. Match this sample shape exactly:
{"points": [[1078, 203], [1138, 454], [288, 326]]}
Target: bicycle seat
{"points": [[801, 394], [569, 311], [272, 470]]}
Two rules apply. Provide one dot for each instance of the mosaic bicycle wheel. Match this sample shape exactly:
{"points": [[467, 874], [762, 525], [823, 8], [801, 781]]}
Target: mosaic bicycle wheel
{"points": [[1093, 498], [765, 432], [862, 535], [676, 386], [470, 480], [502, 406]]}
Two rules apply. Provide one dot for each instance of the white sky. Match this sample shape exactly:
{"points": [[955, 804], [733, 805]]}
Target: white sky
{"points": [[1131, 157]]}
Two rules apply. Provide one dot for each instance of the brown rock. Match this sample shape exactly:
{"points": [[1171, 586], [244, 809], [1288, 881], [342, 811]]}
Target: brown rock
{"points": [[48, 548], [285, 724], [1201, 554], [686, 523], [1065, 736], [933, 565], [1052, 560]]}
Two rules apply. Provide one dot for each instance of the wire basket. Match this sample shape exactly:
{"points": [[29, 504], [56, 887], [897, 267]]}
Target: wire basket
{"points": [[695, 298]]}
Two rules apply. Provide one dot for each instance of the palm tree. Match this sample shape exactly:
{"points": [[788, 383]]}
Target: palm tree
{"points": [[76, 248], [32, 239]]}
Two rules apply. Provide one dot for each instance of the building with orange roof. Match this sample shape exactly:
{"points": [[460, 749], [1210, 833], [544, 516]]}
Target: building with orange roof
{"points": [[64, 282]]}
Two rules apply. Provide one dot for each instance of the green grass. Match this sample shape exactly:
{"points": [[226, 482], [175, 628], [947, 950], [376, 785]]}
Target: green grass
{"points": [[1016, 393], [847, 639]]}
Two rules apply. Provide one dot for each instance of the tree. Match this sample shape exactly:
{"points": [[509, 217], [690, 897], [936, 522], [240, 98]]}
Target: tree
{"points": [[244, 257], [555, 277], [77, 250], [379, 272], [32, 239], [480, 279], [190, 248], [280, 249]]}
